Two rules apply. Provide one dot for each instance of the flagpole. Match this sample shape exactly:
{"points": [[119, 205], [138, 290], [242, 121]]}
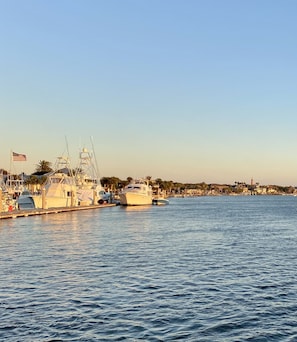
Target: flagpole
{"points": [[8, 180], [10, 164]]}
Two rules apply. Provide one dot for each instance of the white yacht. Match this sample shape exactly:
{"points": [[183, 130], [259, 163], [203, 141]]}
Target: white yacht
{"points": [[59, 189], [137, 192], [87, 180]]}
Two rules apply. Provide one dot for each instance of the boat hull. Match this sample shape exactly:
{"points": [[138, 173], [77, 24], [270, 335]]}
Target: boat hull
{"points": [[160, 201], [54, 202], [131, 198], [35, 201]]}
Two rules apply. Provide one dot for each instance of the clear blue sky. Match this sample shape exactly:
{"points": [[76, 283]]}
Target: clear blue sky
{"points": [[183, 90]]}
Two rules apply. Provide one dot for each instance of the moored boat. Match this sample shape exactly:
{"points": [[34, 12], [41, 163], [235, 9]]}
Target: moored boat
{"points": [[137, 192], [87, 180], [159, 196], [25, 200], [59, 189], [160, 201]]}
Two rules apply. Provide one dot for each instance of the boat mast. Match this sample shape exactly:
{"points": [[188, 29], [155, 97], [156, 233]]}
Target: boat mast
{"points": [[67, 148], [95, 159]]}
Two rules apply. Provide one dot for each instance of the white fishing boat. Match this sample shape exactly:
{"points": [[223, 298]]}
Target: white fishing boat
{"points": [[59, 189], [137, 192], [87, 180]]}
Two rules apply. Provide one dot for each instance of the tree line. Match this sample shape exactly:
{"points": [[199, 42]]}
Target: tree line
{"points": [[113, 183]]}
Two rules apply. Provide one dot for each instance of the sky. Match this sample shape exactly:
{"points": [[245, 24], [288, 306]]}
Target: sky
{"points": [[183, 90]]}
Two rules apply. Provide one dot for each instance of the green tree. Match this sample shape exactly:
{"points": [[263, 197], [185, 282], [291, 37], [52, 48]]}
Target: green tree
{"points": [[32, 179], [110, 182], [44, 166]]}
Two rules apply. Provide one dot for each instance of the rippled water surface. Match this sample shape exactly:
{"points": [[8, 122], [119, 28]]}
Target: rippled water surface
{"points": [[199, 269]]}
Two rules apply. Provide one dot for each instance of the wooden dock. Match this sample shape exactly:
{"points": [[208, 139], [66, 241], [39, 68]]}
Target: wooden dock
{"points": [[34, 212]]}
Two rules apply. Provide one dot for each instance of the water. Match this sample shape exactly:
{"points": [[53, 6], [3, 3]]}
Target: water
{"points": [[200, 269]]}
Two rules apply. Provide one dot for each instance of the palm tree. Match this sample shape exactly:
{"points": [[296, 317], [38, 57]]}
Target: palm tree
{"points": [[44, 166]]}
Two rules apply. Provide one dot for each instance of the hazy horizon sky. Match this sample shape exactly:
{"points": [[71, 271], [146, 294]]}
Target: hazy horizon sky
{"points": [[189, 91]]}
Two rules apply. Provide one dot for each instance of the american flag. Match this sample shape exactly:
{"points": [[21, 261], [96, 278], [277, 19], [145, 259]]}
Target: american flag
{"points": [[18, 157]]}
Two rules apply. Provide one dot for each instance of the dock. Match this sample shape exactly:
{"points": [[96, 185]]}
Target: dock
{"points": [[34, 212]]}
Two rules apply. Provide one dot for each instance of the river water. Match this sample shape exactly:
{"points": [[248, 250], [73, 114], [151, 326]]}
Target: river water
{"points": [[200, 269]]}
